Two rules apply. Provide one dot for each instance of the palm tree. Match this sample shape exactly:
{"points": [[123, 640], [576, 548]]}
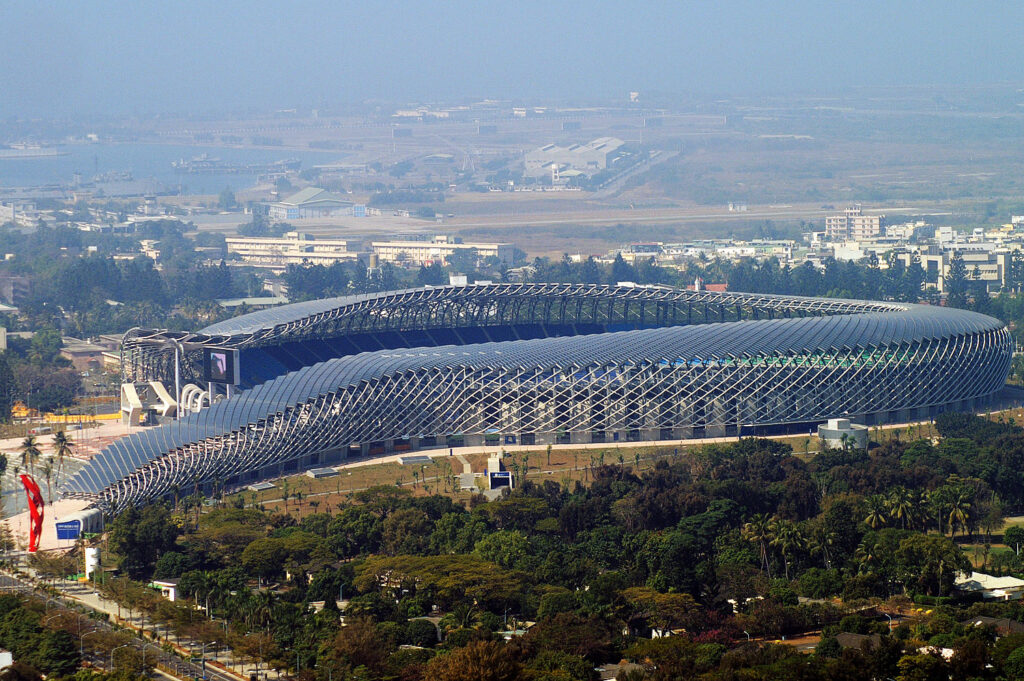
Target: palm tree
{"points": [[866, 557], [761, 531], [901, 505], [959, 513], [822, 543], [876, 507], [261, 609], [47, 471], [29, 452], [935, 506], [62, 446], [918, 518], [788, 539]]}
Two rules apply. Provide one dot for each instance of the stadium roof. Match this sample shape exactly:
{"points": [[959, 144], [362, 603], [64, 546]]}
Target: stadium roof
{"points": [[904, 324]]}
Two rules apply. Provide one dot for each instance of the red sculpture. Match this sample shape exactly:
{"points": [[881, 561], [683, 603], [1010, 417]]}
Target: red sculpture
{"points": [[35, 508]]}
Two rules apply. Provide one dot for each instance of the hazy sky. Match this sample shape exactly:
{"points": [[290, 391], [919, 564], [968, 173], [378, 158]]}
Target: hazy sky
{"points": [[59, 58]]}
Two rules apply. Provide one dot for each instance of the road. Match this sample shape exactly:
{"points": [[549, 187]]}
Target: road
{"points": [[170, 663]]}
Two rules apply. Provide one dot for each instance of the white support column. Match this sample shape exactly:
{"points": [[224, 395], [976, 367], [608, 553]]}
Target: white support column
{"points": [[177, 380]]}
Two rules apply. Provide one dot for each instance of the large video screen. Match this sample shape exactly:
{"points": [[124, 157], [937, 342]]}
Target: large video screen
{"points": [[220, 366]]}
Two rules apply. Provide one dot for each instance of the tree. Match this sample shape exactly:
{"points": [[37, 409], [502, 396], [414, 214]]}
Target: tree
{"points": [[477, 661], [57, 653], [959, 512], [405, 531], [922, 667], [1014, 665], [506, 548], [1014, 537], [360, 644], [901, 506], [29, 453], [930, 563], [876, 507], [7, 388], [828, 647], [664, 612], [761, 532], [140, 537], [956, 282], [789, 539], [622, 270], [63, 447], [47, 472], [421, 632], [265, 557], [226, 199]]}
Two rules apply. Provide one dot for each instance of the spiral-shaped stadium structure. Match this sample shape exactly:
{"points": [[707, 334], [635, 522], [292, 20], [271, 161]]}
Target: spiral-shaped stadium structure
{"points": [[534, 364]]}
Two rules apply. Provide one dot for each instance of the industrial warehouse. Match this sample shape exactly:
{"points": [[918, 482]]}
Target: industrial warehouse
{"points": [[303, 385]]}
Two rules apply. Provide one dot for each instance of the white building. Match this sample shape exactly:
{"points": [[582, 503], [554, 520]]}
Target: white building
{"points": [[853, 224], [437, 250], [841, 434], [992, 588], [168, 588], [294, 248], [982, 262]]}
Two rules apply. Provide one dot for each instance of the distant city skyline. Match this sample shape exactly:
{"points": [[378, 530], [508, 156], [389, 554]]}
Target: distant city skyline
{"points": [[194, 57]]}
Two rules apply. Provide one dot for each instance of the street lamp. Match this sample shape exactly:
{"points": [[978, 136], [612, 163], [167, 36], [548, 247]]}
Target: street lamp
{"points": [[80, 616], [203, 661], [81, 640], [147, 645], [126, 645]]}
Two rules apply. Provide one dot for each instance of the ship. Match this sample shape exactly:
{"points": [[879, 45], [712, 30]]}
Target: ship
{"points": [[206, 164], [26, 150]]}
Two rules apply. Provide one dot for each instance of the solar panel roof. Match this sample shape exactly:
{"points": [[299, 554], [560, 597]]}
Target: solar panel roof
{"points": [[681, 343]]}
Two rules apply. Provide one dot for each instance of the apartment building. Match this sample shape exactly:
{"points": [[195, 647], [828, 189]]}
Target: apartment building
{"points": [[853, 225]]}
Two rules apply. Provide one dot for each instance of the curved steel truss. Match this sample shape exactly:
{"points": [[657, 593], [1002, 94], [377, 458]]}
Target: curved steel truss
{"points": [[558, 309], [874, 362]]}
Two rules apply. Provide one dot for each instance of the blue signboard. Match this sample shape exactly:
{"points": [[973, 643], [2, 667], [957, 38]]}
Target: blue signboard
{"points": [[69, 530], [500, 479]]}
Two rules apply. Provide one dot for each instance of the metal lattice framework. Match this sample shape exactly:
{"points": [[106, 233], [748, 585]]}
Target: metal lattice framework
{"points": [[871, 361], [389, 320]]}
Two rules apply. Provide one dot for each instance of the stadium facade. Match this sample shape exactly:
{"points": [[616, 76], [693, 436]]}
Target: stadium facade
{"points": [[510, 364]]}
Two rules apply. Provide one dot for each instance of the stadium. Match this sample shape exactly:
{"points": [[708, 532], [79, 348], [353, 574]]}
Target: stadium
{"points": [[528, 364]]}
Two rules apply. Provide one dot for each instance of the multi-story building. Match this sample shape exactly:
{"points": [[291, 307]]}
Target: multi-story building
{"points": [[294, 248], [980, 264], [437, 250], [853, 225]]}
